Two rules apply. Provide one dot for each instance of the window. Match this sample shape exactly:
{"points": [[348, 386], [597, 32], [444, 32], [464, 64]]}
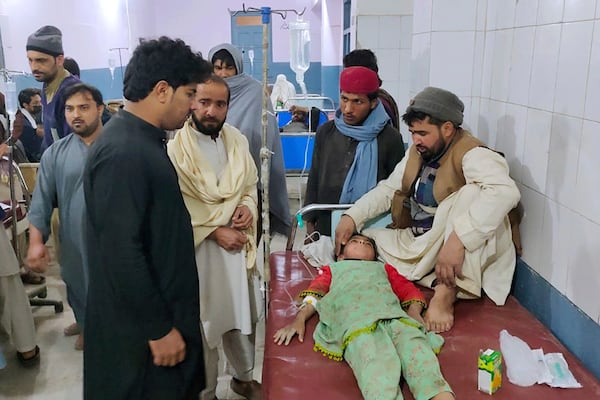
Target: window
{"points": [[347, 11], [346, 32]]}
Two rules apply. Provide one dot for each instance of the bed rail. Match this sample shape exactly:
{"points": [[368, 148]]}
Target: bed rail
{"points": [[297, 219]]}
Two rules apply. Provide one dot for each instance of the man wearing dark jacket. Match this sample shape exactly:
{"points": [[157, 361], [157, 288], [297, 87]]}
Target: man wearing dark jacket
{"points": [[353, 152], [366, 58], [27, 129]]}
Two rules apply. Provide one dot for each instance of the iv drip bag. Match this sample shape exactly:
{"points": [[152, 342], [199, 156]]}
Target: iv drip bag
{"points": [[10, 94], [112, 63], [300, 49], [251, 58], [9, 88]]}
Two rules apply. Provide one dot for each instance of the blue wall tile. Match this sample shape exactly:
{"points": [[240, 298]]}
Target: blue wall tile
{"points": [[330, 82], [113, 89], [99, 77], [575, 329]]}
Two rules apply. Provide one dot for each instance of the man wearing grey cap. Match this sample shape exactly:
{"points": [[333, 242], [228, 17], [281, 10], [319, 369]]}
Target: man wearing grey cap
{"points": [[449, 201], [45, 55]]}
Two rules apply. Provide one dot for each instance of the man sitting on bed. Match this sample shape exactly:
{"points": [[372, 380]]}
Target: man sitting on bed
{"points": [[449, 201], [370, 316]]}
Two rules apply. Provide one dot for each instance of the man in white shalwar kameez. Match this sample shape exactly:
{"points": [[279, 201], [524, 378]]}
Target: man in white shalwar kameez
{"points": [[218, 177], [15, 312], [449, 199]]}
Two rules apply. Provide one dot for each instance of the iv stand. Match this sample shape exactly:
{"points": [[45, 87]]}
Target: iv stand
{"points": [[265, 153], [11, 171]]}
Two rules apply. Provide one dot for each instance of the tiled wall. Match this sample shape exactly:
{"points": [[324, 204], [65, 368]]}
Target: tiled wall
{"points": [[529, 74], [386, 28]]}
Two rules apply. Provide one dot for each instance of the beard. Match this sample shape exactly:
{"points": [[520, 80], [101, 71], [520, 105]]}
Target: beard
{"points": [[44, 77], [87, 130], [430, 153], [208, 130]]}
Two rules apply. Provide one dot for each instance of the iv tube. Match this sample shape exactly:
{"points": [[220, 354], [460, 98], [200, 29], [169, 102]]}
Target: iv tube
{"points": [[300, 50]]}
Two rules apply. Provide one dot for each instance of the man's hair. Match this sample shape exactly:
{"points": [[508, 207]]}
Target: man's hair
{"points": [[373, 96], [362, 58], [225, 57], [84, 88], [412, 116], [214, 78], [71, 65], [26, 95], [160, 59]]}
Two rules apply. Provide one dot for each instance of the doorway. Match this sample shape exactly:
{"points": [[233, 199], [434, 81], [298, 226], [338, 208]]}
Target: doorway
{"points": [[247, 35]]}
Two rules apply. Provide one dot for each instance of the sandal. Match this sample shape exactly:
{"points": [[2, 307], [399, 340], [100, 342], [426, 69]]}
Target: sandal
{"points": [[31, 361], [32, 278]]}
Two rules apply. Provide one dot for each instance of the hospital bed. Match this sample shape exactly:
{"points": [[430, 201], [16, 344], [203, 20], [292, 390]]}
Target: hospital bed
{"points": [[296, 372], [298, 146]]}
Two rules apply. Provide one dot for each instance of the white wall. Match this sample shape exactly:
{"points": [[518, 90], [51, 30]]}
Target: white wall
{"points": [[529, 74], [386, 28], [91, 27], [331, 32]]}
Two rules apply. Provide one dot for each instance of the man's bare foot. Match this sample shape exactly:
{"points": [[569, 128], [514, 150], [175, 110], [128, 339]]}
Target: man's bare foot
{"points": [[72, 330], [79, 342], [439, 316]]}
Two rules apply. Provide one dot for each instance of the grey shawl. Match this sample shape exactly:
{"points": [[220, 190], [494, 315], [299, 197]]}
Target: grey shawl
{"points": [[245, 113]]}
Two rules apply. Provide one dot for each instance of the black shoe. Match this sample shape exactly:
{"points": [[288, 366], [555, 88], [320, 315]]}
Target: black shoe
{"points": [[32, 278], [251, 390], [31, 361]]}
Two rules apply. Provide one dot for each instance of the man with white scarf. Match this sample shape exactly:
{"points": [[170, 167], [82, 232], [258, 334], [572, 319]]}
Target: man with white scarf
{"points": [[31, 134], [218, 177]]}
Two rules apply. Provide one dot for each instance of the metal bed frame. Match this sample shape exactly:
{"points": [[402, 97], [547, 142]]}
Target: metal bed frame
{"points": [[37, 296]]}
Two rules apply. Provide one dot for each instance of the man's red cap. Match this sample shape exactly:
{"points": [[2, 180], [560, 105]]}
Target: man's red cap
{"points": [[359, 80]]}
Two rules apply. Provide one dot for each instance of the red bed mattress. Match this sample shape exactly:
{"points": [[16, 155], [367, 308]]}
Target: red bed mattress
{"points": [[296, 372]]}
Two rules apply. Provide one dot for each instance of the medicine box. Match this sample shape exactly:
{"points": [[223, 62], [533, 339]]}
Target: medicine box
{"points": [[489, 378]]}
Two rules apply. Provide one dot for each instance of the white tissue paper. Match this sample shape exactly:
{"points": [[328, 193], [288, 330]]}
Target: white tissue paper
{"points": [[524, 366]]}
